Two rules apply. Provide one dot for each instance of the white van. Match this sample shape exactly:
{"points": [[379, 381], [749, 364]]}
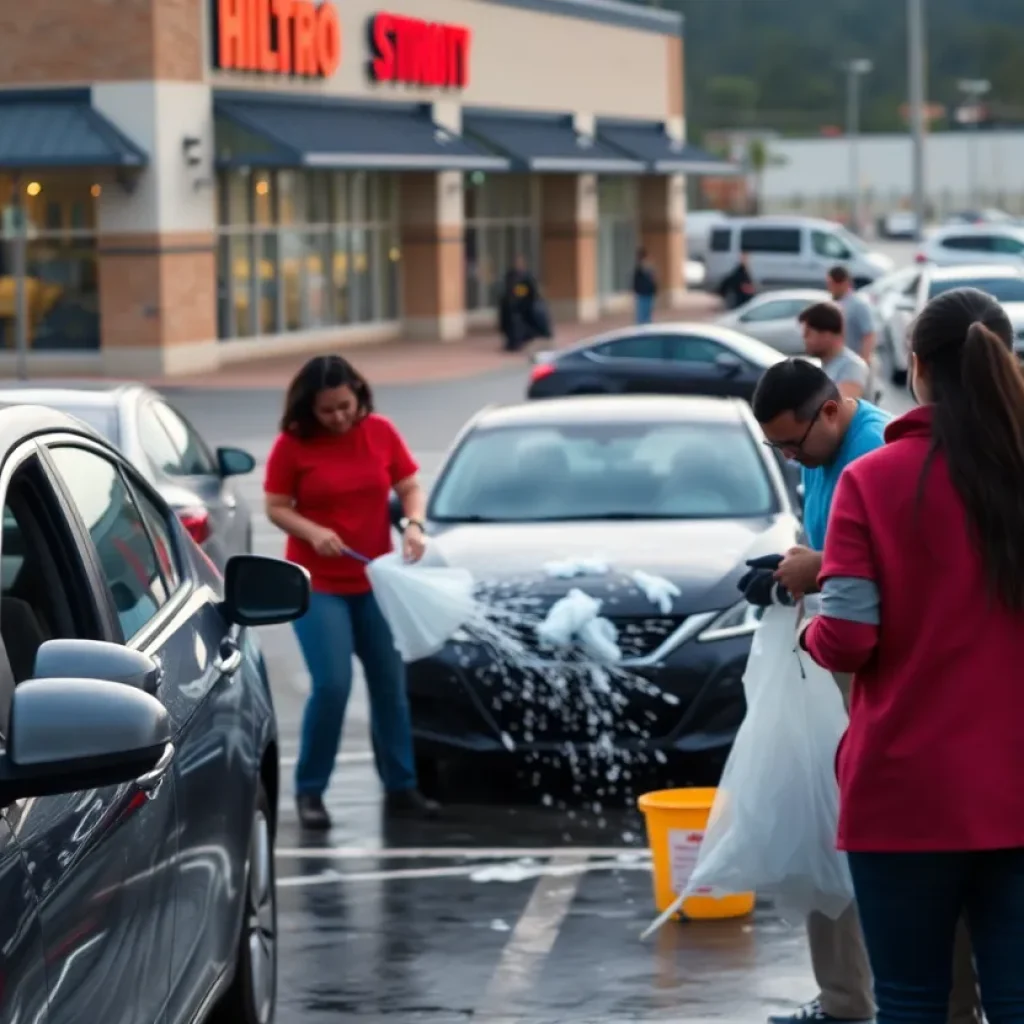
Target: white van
{"points": [[790, 252]]}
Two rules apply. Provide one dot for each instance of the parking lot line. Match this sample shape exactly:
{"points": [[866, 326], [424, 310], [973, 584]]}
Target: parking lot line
{"points": [[452, 852], [530, 942]]}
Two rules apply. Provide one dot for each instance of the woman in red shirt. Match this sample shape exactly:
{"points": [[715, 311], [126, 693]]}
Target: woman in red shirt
{"points": [[328, 485], [923, 600]]}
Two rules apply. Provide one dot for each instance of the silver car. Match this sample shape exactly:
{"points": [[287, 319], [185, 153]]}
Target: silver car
{"points": [[772, 318]]}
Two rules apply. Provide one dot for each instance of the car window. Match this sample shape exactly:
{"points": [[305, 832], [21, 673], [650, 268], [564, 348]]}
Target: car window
{"points": [[1003, 289], [157, 521], [127, 557], [771, 240], [157, 443], [641, 346], [683, 348], [721, 239], [911, 290], [969, 243], [829, 246], [193, 454], [777, 309], [1006, 244], [670, 470]]}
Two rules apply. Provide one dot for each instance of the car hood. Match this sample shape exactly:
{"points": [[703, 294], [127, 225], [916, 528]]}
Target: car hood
{"points": [[704, 558]]}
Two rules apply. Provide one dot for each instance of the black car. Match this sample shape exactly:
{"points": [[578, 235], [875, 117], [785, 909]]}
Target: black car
{"points": [[199, 484], [680, 488], [139, 767], [674, 359]]}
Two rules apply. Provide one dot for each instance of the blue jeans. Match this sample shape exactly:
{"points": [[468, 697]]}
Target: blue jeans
{"points": [[644, 308], [909, 907], [333, 630]]}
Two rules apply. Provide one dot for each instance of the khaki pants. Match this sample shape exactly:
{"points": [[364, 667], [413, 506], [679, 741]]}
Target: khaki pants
{"points": [[840, 961]]}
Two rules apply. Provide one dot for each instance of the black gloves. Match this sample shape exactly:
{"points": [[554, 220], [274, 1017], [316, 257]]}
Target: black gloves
{"points": [[759, 585]]}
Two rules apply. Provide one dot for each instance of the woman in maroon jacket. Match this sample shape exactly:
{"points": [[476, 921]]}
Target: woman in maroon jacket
{"points": [[923, 600]]}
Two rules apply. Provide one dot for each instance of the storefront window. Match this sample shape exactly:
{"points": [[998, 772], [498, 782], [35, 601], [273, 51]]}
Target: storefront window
{"points": [[500, 224], [55, 219], [617, 234], [326, 251]]}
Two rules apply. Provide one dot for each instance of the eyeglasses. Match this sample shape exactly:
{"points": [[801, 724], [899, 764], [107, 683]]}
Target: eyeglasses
{"points": [[795, 447]]}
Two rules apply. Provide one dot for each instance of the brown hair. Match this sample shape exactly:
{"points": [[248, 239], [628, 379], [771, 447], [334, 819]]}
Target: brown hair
{"points": [[320, 374], [963, 340], [823, 316]]}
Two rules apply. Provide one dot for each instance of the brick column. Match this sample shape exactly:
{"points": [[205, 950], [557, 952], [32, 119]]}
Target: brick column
{"points": [[569, 246], [433, 255], [662, 211]]}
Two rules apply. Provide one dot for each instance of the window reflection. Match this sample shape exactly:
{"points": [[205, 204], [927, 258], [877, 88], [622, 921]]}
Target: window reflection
{"points": [[617, 234]]}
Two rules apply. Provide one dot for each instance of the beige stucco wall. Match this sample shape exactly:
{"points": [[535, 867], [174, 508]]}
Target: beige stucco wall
{"points": [[520, 59]]}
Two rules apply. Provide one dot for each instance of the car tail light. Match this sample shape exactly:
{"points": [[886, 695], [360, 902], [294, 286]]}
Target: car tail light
{"points": [[540, 371], [197, 522], [919, 257]]}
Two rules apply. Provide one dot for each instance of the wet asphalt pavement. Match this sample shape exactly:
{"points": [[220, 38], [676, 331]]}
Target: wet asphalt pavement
{"points": [[506, 910]]}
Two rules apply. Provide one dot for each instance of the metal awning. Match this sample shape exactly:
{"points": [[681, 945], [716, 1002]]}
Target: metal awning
{"points": [[59, 128], [261, 131], [649, 142], [547, 143]]}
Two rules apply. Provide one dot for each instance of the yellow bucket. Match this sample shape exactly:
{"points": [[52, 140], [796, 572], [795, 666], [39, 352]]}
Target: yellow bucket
{"points": [[676, 820]]}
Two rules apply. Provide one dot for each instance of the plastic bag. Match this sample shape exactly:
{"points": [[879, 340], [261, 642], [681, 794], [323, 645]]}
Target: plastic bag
{"points": [[773, 825], [424, 605]]}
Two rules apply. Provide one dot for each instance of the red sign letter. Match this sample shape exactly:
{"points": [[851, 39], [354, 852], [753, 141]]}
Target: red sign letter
{"points": [[283, 10], [328, 40], [305, 44], [230, 34], [383, 65]]}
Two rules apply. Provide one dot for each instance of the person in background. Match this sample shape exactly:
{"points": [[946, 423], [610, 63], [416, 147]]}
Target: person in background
{"points": [[645, 287], [738, 286], [861, 332], [807, 419], [521, 313], [923, 601], [823, 327], [329, 479]]}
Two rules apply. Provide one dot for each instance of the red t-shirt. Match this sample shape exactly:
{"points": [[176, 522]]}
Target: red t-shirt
{"points": [[343, 482], [933, 759]]}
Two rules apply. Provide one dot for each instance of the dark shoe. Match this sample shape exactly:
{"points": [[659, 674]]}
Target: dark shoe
{"points": [[410, 803], [312, 813], [810, 1014]]}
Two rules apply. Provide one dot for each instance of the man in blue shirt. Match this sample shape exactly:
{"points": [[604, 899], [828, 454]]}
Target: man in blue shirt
{"points": [[806, 418]]}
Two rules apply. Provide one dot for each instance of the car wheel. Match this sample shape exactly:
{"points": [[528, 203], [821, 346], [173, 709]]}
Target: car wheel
{"points": [[252, 997]]}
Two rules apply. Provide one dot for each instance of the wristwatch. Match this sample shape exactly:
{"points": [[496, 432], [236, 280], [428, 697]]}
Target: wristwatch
{"points": [[405, 522]]}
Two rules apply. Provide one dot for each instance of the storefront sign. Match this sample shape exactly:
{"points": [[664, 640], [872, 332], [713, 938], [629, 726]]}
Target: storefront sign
{"points": [[419, 52], [278, 37]]}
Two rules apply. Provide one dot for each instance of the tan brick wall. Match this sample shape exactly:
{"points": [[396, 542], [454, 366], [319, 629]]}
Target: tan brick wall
{"points": [[82, 41], [157, 290], [661, 234], [569, 246], [675, 77], [433, 271]]}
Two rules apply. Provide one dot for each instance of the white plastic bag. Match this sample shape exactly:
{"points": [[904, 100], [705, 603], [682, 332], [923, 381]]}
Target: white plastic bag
{"points": [[773, 825], [424, 605]]}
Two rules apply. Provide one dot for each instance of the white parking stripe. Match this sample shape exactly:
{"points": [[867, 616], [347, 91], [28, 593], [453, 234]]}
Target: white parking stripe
{"points": [[453, 852], [352, 757]]}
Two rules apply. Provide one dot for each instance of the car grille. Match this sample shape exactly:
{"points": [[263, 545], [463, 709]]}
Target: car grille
{"points": [[639, 636]]}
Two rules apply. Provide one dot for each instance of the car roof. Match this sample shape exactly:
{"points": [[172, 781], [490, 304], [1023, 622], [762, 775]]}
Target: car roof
{"points": [[986, 228], [786, 293], [604, 409], [90, 394], [783, 220], [975, 270]]}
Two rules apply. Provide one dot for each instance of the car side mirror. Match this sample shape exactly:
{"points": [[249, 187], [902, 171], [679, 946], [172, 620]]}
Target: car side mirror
{"points": [[234, 462], [69, 735], [97, 659], [261, 591], [728, 364], [395, 511]]}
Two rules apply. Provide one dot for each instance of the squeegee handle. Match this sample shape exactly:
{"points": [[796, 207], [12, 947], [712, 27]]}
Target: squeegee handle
{"points": [[358, 557]]}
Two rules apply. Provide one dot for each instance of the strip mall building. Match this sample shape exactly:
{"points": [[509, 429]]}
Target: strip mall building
{"points": [[202, 182]]}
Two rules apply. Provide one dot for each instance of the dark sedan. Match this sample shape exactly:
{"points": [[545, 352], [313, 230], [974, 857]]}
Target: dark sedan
{"points": [[167, 450], [681, 489], [664, 358], [139, 767]]}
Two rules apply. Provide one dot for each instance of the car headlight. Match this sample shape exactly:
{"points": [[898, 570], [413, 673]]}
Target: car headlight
{"points": [[739, 620]]}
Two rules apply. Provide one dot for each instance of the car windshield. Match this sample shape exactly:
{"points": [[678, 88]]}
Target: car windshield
{"points": [[1004, 289], [605, 471], [855, 243]]}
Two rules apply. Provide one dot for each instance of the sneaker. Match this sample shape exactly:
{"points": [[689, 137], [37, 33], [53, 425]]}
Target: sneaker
{"points": [[810, 1013], [312, 813], [410, 803]]}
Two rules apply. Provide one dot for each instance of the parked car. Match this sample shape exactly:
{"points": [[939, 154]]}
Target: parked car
{"points": [[167, 450], [697, 227], [771, 317], [138, 746], [987, 216], [897, 224], [1005, 283], [973, 243], [661, 358], [791, 252], [683, 488]]}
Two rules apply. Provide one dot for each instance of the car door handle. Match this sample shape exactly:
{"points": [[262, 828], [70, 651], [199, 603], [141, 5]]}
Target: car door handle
{"points": [[150, 782], [229, 658]]}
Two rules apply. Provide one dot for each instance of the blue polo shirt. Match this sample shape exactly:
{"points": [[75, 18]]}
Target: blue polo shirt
{"points": [[865, 433]]}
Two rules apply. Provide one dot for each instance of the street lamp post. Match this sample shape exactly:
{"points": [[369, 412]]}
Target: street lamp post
{"points": [[855, 70], [916, 94], [973, 89]]}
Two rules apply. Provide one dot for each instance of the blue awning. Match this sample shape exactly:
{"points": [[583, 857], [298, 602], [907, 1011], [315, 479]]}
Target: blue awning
{"points": [[260, 131], [60, 128], [648, 141], [547, 143]]}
